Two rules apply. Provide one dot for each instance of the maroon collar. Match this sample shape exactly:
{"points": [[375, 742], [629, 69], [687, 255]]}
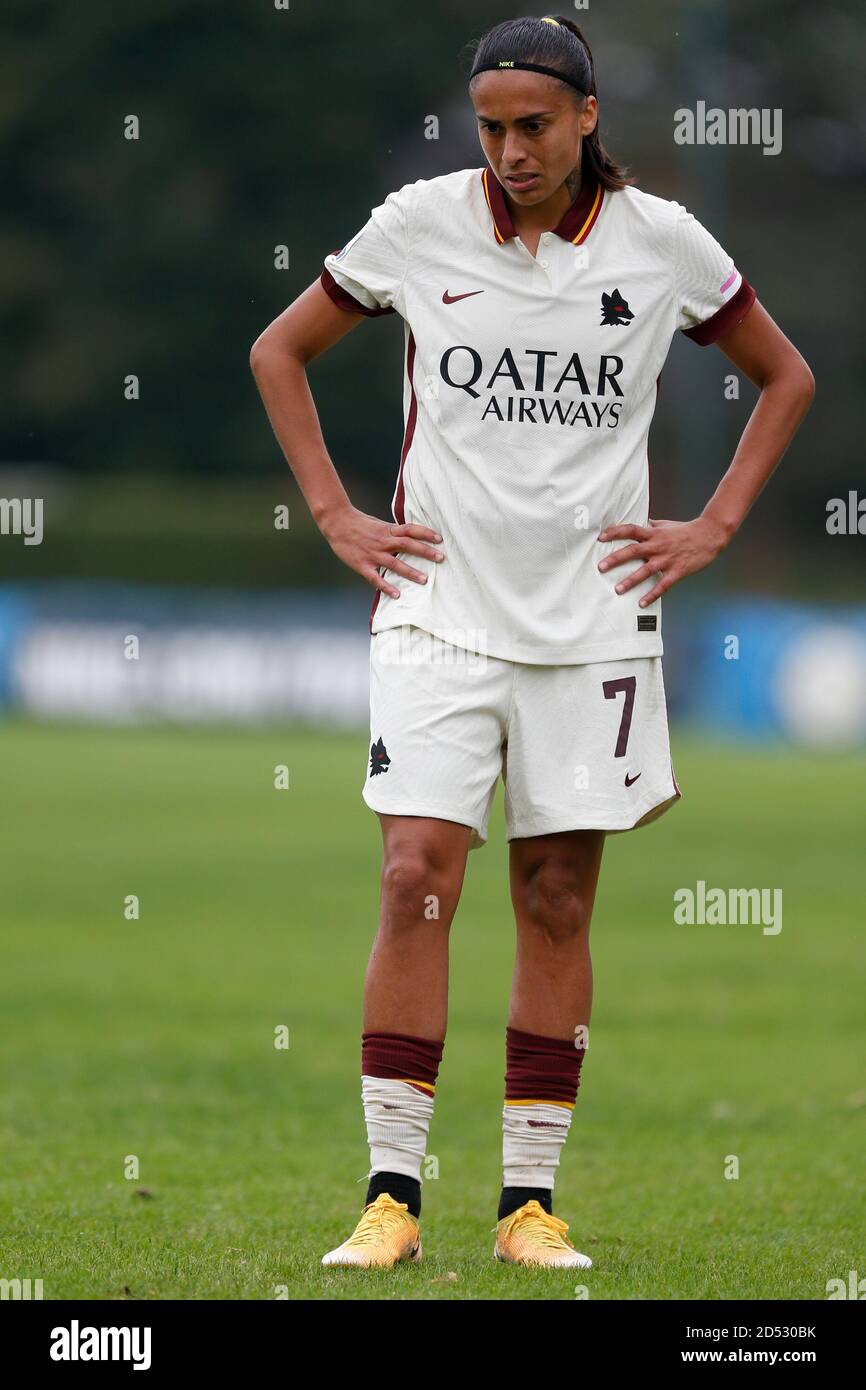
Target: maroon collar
{"points": [[575, 226]]}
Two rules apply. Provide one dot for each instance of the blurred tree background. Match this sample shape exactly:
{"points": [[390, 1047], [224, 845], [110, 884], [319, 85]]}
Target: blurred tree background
{"points": [[263, 127]]}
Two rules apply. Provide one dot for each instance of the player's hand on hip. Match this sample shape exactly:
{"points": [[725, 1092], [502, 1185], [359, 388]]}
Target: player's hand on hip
{"points": [[671, 550], [366, 544]]}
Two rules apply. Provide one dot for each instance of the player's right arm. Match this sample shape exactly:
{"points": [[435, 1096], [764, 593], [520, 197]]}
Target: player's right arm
{"points": [[278, 360]]}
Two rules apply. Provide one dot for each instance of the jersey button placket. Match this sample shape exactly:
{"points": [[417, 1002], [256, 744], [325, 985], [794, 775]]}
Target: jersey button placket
{"points": [[546, 238]]}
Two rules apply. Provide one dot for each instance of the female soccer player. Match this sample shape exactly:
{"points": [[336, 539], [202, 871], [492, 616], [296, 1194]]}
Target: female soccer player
{"points": [[516, 627]]}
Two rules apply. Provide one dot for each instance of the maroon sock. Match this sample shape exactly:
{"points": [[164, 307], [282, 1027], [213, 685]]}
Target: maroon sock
{"points": [[542, 1069], [402, 1057]]}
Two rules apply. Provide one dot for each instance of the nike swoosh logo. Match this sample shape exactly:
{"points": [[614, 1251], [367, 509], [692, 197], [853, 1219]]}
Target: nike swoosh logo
{"points": [[629, 780], [453, 298]]}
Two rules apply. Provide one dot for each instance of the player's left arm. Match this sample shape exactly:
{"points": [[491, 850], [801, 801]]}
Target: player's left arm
{"points": [[675, 549]]}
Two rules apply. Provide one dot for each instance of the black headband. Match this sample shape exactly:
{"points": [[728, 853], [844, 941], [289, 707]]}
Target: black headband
{"points": [[530, 67]]}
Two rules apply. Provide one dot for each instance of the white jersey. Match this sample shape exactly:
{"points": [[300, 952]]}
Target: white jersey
{"points": [[529, 388]]}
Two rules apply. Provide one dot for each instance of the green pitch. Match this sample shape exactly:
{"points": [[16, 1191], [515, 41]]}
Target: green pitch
{"points": [[154, 1038]]}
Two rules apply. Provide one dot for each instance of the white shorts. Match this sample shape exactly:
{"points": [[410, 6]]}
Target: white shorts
{"points": [[579, 747]]}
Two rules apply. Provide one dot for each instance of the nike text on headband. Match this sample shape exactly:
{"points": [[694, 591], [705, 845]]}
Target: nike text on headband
{"points": [[504, 64]]}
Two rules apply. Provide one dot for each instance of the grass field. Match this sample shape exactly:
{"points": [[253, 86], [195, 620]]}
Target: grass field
{"points": [[155, 1037]]}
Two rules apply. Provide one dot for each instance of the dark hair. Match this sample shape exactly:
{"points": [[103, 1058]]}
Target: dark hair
{"points": [[563, 46]]}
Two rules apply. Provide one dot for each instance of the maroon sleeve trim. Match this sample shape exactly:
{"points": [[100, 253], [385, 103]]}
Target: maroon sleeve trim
{"points": [[724, 320], [344, 300]]}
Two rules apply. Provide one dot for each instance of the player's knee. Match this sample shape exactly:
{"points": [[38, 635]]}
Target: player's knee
{"points": [[555, 902], [414, 888]]}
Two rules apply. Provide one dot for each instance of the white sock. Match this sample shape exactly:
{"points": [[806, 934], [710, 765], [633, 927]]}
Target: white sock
{"points": [[532, 1140], [398, 1122]]}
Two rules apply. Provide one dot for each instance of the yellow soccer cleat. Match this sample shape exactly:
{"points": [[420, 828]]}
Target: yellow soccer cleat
{"points": [[385, 1235], [531, 1236]]}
